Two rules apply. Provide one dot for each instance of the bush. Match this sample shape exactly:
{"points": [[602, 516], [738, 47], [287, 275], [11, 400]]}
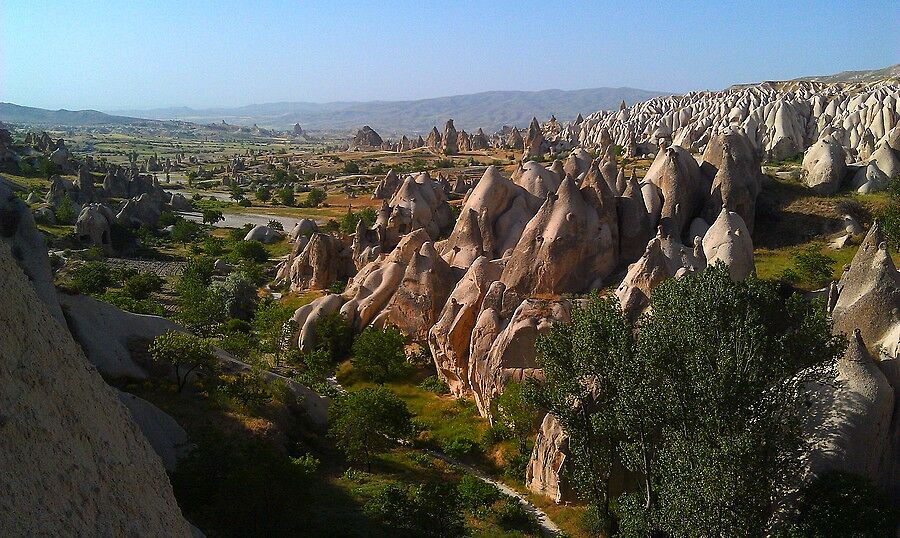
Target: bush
{"points": [[212, 216], [213, 246], [350, 219], [810, 267], [423, 510], [244, 202], [350, 167], [143, 285], [368, 422], [241, 345], [306, 464], [512, 515], [167, 218], [379, 354], [338, 286], [275, 225], [314, 198], [434, 384], [185, 231], [185, 352], [263, 194], [286, 196], [91, 278], [138, 306], [460, 447], [334, 335], [249, 388], [239, 293], [65, 211], [476, 494], [249, 250]]}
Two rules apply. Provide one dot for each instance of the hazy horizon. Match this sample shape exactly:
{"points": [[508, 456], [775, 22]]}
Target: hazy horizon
{"points": [[141, 55]]}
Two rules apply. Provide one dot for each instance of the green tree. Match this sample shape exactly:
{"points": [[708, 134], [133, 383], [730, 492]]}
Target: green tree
{"points": [[351, 218], [65, 211], [286, 195], [263, 194], [185, 231], [142, 285], [186, 352], [212, 216], [350, 167], [237, 193], [516, 413], [91, 278], [368, 422], [201, 307], [379, 354], [333, 334], [811, 267], [314, 197], [249, 250], [430, 510], [706, 403], [240, 295]]}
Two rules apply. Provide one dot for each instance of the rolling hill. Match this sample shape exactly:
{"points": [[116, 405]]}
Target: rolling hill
{"points": [[11, 113]]}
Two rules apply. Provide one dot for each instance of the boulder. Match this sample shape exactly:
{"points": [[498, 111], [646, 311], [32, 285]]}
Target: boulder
{"points": [[305, 227], [824, 166], [94, 224], [264, 234], [870, 179], [677, 176], [888, 160], [316, 263]]}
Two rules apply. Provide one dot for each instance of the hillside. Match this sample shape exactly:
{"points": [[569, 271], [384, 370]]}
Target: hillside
{"points": [[488, 110], [871, 75], [11, 113]]}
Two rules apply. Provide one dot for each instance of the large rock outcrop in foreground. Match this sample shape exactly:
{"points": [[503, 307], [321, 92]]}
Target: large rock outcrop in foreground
{"points": [[72, 461]]}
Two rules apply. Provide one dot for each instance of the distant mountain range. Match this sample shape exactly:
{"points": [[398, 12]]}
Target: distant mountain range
{"points": [[488, 110], [10, 113]]}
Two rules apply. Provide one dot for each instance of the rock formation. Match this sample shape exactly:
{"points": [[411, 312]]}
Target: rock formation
{"points": [[449, 142], [315, 263], [367, 138], [90, 471], [824, 166]]}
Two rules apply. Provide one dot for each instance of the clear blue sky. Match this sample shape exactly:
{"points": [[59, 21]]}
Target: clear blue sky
{"points": [[137, 54]]}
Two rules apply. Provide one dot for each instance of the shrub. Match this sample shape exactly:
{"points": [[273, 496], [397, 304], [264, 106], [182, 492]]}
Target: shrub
{"points": [[249, 388], [239, 293], [379, 355], [844, 504], [431, 510], [91, 278], [244, 202], [476, 494], [213, 246], [167, 218], [306, 464], [368, 422], [286, 196], [275, 225], [186, 352], [263, 194], [143, 285], [434, 384], [338, 286], [460, 447], [512, 515], [185, 231], [65, 211], [212, 216], [810, 267], [350, 219], [314, 198], [350, 167], [334, 335], [249, 250], [125, 302]]}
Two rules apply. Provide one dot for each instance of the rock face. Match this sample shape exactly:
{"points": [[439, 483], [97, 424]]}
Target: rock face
{"points": [[450, 336], [511, 355], [824, 166], [663, 258], [19, 233], [367, 137], [387, 186], [450, 142], [419, 203], [635, 228], [105, 333], [94, 224], [728, 241], [316, 263], [677, 176], [537, 180], [869, 297], [544, 474], [264, 234], [851, 425], [534, 140], [566, 247], [168, 439], [733, 169], [90, 471], [491, 221]]}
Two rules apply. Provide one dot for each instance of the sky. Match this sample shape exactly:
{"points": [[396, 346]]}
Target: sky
{"points": [[137, 54]]}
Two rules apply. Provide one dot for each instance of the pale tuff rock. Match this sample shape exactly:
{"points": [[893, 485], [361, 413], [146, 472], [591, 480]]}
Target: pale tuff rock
{"points": [[577, 163], [511, 355], [538, 180], [316, 263], [825, 166], [90, 471], [434, 139], [888, 160], [419, 203], [733, 168], [682, 188], [869, 298], [305, 227], [781, 119], [449, 142], [534, 140], [367, 137], [566, 247], [663, 258], [635, 228], [869, 179], [18, 231], [308, 315], [545, 472], [728, 241], [168, 439], [450, 336], [387, 186], [515, 140], [491, 220], [851, 423], [264, 234], [106, 333]]}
